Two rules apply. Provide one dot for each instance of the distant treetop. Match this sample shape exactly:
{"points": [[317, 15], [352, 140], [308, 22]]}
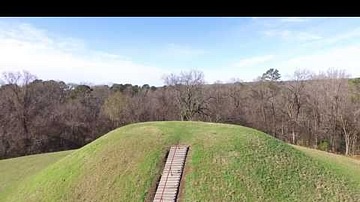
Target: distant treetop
{"points": [[271, 75]]}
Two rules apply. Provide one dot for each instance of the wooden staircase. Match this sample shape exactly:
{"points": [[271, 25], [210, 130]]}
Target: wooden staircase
{"points": [[169, 184]]}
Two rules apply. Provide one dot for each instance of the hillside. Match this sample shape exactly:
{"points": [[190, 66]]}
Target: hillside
{"points": [[14, 171], [225, 163]]}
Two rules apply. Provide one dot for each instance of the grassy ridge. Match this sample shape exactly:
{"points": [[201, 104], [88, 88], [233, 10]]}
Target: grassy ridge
{"points": [[341, 164], [14, 171], [225, 163]]}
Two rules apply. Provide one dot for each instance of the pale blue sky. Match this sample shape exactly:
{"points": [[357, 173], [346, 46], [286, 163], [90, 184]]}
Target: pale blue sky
{"points": [[143, 49]]}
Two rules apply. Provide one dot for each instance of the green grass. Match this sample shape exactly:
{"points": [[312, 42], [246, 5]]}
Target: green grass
{"points": [[14, 171], [341, 164], [225, 163]]}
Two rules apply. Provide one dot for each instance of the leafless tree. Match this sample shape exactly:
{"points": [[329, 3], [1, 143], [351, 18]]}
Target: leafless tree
{"points": [[19, 97], [295, 94], [315, 110], [189, 93]]}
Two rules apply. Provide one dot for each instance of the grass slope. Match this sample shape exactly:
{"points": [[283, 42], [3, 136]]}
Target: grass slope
{"points": [[341, 164], [225, 163], [14, 171]]}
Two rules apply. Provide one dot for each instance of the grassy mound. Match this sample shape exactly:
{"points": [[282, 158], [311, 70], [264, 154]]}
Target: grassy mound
{"points": [[225, 163]]}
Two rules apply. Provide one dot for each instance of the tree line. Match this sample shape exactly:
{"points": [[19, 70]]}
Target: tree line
{"points": [[315, 110]]}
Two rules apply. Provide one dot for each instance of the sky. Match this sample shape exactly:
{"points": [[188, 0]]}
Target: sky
{"points": [[142, 50]]}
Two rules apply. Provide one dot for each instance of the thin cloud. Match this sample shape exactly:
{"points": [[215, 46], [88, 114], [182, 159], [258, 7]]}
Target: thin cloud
{"points": [[353, 34], [283, 19], [252, 61], [292, 35], [294, 19], [182, 51], [25, 47], [280, 22], [344, 58]]}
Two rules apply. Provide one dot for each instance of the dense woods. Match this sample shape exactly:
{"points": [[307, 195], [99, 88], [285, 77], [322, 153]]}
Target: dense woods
{"points": [[316, 110]]}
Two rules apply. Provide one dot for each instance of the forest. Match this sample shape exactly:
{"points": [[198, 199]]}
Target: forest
{"points": [[320, 110]]}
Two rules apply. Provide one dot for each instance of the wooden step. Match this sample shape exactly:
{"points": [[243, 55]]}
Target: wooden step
{"points": [[169, 183]]}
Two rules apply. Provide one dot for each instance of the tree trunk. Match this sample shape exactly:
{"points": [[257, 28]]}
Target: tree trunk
{"points": [[293, 136], [315, 132], [282, 129], [347, 136], [347, 143]]}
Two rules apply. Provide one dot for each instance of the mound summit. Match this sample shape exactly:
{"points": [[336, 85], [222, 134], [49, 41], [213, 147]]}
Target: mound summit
{"points": [[224, 163]]}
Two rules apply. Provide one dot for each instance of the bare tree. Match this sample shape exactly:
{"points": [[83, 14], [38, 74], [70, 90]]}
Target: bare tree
{"points": [[189, 93], [321, 110], [164, 105], [295, 93], [348, 119], [263, 94], [19, 96], [114, 106], [218, 105]]}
